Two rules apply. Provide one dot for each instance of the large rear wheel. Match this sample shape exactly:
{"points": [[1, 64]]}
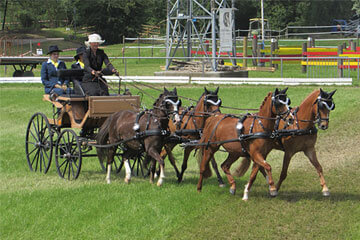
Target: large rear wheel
{"points": [[68, 156], [39, 143]]}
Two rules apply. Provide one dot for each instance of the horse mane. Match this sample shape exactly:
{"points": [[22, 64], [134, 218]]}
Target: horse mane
{"points": [[263, 103], [311, 96], [158, 99]]}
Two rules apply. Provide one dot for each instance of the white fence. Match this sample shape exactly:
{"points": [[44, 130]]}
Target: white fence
{"points": [[205, 80]]}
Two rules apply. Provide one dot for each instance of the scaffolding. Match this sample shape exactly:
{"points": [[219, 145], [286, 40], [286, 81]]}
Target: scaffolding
{"points": [[190, 21]]}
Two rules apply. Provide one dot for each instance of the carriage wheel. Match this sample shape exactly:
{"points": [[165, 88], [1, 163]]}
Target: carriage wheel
{"points": [[39, 143], [68, 155], [117, 164], [137, 165]]}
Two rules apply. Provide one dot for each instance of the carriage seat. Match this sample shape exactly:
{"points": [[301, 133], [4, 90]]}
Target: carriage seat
{"points": [[75, 76]]}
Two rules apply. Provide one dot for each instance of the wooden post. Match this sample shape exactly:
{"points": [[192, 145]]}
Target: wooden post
{"points": [[340, 62], [304, 49], [245, 52], [352, 45], [254, 50]]}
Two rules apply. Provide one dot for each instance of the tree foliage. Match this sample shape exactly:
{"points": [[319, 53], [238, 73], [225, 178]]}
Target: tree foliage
{"points": [[116, 18]]}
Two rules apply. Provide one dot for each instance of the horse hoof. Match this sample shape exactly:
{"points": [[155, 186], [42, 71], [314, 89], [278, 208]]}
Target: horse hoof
{"points": [[127, 181], [245, 199], [222, 185], [232, 191], [326, 193], [159, 184], [108, 181], [273, 193]]}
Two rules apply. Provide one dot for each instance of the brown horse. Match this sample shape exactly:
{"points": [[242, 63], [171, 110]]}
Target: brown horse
{"points": [[298, 137], [192, 121], [139, 132], [249, 136]]}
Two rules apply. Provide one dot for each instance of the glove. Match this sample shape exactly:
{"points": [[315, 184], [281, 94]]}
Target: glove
{"points": [[116, 72]]}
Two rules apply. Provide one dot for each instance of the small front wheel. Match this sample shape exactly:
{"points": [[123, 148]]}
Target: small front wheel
{"points": [[68, 156]]}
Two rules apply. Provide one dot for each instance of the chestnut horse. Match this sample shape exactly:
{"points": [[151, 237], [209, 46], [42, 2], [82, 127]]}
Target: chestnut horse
{"points": [[298, 137], [138, 132], [249, 136], [190, 127]]}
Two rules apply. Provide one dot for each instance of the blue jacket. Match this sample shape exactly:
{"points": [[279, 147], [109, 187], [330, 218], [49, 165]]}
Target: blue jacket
{"points": [[49, 75]]}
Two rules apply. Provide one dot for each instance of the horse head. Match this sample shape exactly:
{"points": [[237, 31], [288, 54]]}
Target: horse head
{"points": [[169, 103], [209, 101], [324, 104], [280, 105]]}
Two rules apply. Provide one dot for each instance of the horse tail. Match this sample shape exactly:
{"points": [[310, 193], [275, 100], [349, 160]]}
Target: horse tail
{"points": [[102, 138], [243, 167], [207, 172]]}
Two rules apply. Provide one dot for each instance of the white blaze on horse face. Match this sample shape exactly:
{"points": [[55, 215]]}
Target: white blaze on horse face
{"points": [[176, 109]]}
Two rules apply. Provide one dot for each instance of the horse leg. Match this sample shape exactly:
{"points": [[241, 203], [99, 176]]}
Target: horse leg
{"points": [[311, 154], [232, 157], [127, 170], [187, 152], [285, 166], [259, 159], [171, 158], [215, 167], [204, 166], [253, 174], [110, 159], [152, 170], [156, 156]]}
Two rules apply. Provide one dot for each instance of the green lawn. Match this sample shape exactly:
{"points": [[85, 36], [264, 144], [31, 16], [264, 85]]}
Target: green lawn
{"points": [[37, 206]]}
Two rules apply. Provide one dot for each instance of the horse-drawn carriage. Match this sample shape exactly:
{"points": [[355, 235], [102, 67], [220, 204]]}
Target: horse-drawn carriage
{"points": [[135, 135], [54, 137]]}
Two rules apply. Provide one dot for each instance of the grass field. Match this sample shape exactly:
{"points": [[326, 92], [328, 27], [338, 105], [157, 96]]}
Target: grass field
{"points": [[37, 206]]}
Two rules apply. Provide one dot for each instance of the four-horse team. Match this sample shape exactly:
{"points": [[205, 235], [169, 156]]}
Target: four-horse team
{"points": [[118, 129]]}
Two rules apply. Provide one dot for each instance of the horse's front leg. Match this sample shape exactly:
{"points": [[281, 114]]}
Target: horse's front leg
{"points": [[285, 166], [260, 160], [156, 156], [254, 171], [232, 157], [311, 154]]}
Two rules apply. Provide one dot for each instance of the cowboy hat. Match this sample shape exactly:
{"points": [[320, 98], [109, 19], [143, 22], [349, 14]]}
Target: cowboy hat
{"points": [[54, 48], [79, 51], [94, 38]]}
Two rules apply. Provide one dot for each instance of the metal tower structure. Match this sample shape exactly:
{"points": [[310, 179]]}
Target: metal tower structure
{"points": [[194, 21]]}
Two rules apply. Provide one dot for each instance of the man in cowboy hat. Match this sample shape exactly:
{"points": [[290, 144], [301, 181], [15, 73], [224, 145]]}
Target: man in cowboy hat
{"points": [[94, 58], [54, 85]]}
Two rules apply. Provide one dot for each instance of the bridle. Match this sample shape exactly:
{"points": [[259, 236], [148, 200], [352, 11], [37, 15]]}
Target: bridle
{"points": [[275, 99], [321, 103], [209, 101]]}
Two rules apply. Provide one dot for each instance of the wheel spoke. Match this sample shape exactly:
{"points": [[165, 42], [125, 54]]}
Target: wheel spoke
{"points": [[36, 138], [67, 163], [32, 151], [32, 163], [37, 160]]}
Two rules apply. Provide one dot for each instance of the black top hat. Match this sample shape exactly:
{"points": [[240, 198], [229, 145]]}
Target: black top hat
{"points": [[54, 48], [79, 51]]}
